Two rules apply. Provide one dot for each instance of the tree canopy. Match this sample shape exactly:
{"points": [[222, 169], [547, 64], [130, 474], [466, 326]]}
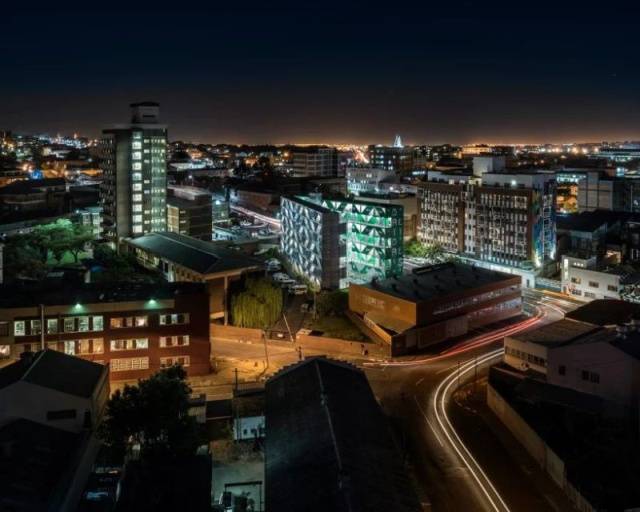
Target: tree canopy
{"points": [[154, 415], [433, 253], [27, 255], [258, 306]]}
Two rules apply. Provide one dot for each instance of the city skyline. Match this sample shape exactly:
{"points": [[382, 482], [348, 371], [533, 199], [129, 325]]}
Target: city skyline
{"points": [[302, 74]]}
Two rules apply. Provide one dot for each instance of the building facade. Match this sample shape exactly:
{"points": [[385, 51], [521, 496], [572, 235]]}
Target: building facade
{"points": [[503, 219], [396, 158], [134, 329], [315, 161], [368, 179], [435, 303], [134, 163], [190, 212], [336, 241]]}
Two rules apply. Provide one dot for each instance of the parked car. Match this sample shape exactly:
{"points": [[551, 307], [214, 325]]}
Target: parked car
{"points": [[297, 289], [279, 277]]}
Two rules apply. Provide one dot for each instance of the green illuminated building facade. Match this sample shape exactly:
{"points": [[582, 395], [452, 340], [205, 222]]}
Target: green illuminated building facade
{"points": [[333, 242]]}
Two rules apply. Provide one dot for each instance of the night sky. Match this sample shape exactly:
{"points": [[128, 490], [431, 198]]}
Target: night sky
{"points": [[328, 72]]}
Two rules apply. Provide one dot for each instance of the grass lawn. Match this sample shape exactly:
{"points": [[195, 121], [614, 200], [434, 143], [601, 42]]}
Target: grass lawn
{"points": [[338, 327]]}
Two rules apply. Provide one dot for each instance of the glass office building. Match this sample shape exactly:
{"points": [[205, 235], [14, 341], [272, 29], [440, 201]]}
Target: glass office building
{"points": [[333, 242]]}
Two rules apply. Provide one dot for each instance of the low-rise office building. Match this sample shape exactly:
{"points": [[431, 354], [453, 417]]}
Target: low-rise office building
{"points": [[134, 329], [183, 258], [433, 304], [190, 212], [584, 279]]}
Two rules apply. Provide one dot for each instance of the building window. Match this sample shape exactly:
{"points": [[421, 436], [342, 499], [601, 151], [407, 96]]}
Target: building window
{"points": [[35, 327], [594, 284], [83, 323], [5, 351], [65, 414], [612, 288], [4, 328], [562, 370], [576, 280], [589, 295], [175, 319], [130, 363], [166, 362], [133, 344], [98, 323], [70, 348], [128, 321], [174, 341], [52, 326], [52, 345], [69, 324], [18, 328]]}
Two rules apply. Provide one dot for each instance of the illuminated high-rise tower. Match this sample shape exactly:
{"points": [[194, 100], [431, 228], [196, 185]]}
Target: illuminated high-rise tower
{"points": [[134, 165]]}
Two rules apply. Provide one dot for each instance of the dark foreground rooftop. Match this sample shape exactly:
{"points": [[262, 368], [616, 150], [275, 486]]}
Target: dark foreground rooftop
{"points": [[328, 444]]}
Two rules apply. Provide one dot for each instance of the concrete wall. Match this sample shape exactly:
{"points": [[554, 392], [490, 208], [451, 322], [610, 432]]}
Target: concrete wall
{"points": [[536, 447], [339, 346], [25, 400], [236, 333]]}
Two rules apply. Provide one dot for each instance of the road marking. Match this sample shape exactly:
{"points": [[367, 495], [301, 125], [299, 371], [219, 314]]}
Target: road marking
{"points": [[428, 422], [419, 381]]}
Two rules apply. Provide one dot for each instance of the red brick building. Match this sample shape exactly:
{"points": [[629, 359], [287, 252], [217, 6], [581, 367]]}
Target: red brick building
{"points": [[135, 329]]}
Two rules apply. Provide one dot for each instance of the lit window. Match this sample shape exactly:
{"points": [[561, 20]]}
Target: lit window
{"points": [[137, 219], [18, 328], [98, 323], [137, 187], [137, 155], [70, 347], [52, 326], [35, 327], [83, 323], [137, 229], [137, 166]]}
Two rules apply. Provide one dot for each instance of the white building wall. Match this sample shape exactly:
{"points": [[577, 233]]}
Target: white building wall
{"points": [[595, 368], [25, 400], [524, 356], [588, 284]]}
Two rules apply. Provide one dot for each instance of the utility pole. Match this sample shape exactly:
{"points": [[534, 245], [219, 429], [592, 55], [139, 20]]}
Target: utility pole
{"points": [[41, 326], [266, 351]]}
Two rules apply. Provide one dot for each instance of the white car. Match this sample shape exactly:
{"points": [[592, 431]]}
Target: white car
{"points": [[280, 277], [297, 289]]}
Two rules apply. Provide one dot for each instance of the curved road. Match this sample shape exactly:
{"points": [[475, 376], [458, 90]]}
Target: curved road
{"points": [[417, 393]]}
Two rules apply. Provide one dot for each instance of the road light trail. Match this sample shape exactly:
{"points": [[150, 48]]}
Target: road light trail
{"points": [[449, 434], [473, 343]]}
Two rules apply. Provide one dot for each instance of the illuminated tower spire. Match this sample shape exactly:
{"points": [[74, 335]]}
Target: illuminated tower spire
{"points": [[397, 143]]}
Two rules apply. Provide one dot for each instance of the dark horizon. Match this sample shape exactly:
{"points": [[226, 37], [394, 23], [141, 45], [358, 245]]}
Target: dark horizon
{"points": [[468, 72]]}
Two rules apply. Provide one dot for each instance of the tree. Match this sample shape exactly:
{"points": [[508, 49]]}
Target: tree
{"points": [[153, 415], [23, 259], [258, 306], [433, 253]]}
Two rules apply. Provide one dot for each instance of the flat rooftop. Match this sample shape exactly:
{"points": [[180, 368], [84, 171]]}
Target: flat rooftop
{"points": [[30, 294], [563, 332], [437, 281], [606, 312], [588, 221], [196, 255]]}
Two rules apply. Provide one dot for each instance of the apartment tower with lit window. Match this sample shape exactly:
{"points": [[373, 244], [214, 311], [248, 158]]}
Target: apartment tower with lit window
{"points": [[134, 164]]}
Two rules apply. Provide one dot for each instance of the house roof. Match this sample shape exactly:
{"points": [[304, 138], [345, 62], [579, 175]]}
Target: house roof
{"points": [[197, 255], [562, 332], [57, 371], [328, 444]]}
